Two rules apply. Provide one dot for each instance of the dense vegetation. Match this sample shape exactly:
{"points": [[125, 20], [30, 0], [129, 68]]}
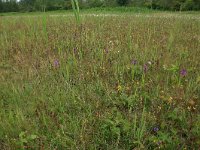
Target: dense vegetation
{"points": [[42, 5], [113, 82]]}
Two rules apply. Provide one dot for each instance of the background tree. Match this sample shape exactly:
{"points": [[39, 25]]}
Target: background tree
{"points": [[1, 6], [123, 2], [48, 5]]}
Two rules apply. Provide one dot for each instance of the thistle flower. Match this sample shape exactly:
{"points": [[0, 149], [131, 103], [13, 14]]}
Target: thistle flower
{"points": [[56, 63], [183, 72], [145, 68], [155, 129]]}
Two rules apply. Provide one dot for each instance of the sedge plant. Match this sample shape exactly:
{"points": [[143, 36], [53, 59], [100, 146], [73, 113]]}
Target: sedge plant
{"points": [[76, 11]]}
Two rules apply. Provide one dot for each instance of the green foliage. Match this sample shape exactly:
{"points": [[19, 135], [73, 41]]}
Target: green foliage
{"points": [[75, 6], [9, 6], [93, 3], [188, 5], [176, 4], [123, 2], [48, 5], [115, 81], [24, 139], [117, 128]]}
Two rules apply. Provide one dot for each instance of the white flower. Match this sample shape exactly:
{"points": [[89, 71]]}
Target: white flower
{"points": [[149, 62]]}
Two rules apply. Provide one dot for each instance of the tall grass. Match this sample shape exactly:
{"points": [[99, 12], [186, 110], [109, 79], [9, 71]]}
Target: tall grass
{"points": [[123, 82], [75, 6]]}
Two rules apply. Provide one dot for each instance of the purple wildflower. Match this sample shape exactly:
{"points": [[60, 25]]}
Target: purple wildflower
{"points": [[145, 67], [56, 63], [155, 129], [106, 51], [134, 62], [183, 72], [75, 50]]}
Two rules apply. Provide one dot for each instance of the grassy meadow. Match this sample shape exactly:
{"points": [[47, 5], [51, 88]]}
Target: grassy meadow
{"points": [[119, 81]]}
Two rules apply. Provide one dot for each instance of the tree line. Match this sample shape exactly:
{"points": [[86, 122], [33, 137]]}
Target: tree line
{"points": [[48, 5]]}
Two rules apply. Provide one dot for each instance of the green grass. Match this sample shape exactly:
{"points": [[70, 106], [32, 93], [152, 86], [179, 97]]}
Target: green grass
{"points": [[103, 10], [114, 82], [89, 10]]}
